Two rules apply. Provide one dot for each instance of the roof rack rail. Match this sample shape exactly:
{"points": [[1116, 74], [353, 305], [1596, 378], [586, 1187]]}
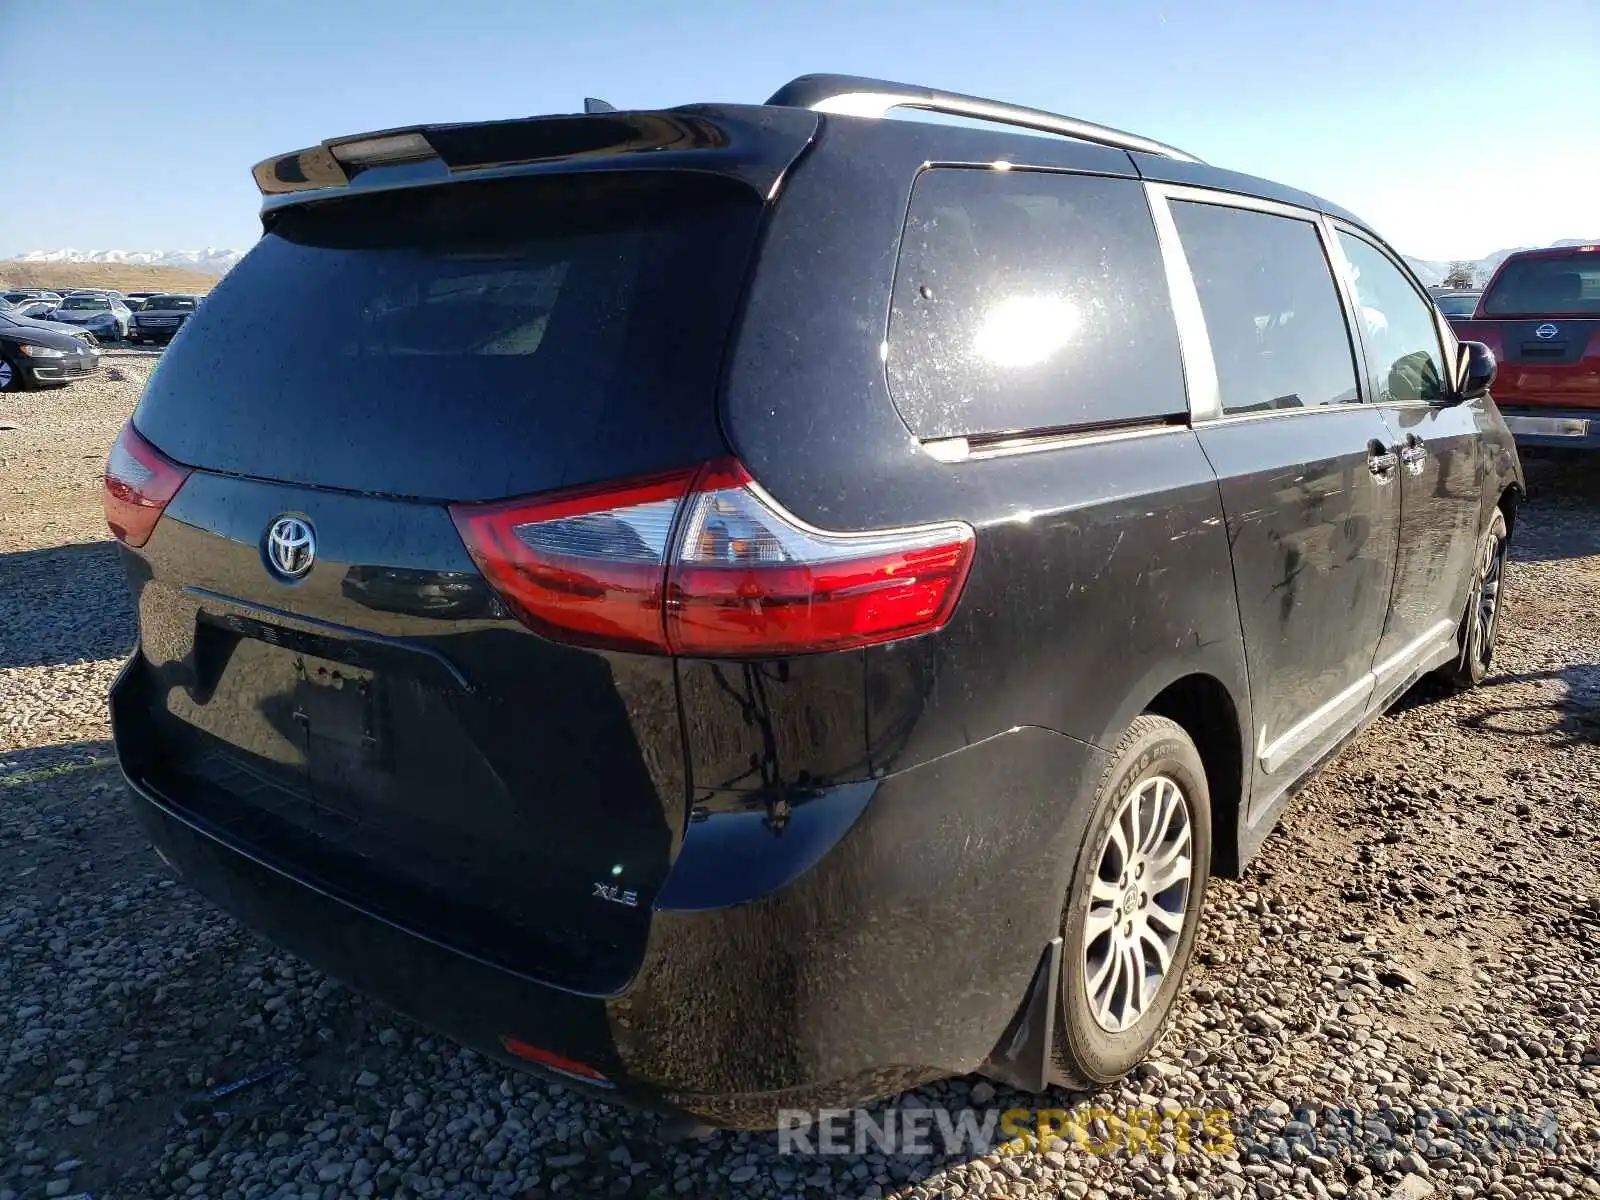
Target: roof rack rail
{"points": [[858, 96]]}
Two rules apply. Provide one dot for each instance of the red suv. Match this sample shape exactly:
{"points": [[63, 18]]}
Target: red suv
{"points": [[1540, 315]]}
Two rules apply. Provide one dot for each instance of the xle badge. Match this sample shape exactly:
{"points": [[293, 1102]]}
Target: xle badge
{"points": [[615, 894]]}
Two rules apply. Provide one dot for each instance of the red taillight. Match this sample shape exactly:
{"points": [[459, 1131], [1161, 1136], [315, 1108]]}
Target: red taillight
{"points": [[140, 483], [744, 578], [750, 579], [554, 1061], [583, 566]]}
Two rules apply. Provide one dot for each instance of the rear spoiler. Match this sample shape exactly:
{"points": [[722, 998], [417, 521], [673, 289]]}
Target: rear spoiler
{"points": [[755, 143]]}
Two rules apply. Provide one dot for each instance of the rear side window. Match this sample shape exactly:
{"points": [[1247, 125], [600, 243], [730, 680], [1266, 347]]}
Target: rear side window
{"points": [[1536, 287], [1027, 300], [466, 341], [1272, 310]]}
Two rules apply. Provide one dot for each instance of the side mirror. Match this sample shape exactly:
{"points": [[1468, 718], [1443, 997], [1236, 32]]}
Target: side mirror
{"points": [[1475, 371]]}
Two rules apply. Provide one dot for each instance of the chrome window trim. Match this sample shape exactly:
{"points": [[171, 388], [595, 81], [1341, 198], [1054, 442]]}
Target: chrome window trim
{"points": [[960, 449], [1194, 340], [1309, 410], [1225, 199], [1405, 405]]}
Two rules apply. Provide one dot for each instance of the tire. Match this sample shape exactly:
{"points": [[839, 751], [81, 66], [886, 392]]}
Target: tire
{"points": [[1480, 624], [12, 377], [1155, 765]]}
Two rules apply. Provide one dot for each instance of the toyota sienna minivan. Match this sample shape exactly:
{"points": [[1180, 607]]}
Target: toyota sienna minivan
{"points": [[742, 607]]}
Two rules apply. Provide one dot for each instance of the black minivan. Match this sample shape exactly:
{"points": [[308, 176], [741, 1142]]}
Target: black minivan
{"points": [[743, 607]]}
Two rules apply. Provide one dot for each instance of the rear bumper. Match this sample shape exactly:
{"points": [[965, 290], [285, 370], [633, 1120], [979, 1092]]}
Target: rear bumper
{"points": [[884, 937], [1570, 428]]}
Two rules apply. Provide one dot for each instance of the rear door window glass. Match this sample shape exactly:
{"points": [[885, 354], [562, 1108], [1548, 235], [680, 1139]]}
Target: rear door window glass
{"points": [[1398, 323], [1272, 309], [1030, 301]]}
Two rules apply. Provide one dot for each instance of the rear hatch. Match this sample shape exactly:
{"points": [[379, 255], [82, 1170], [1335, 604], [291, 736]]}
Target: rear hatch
{"points": [[1541, 316], [383, 727]]}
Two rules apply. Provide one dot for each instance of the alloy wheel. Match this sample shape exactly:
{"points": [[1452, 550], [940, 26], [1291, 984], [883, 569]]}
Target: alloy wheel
{"points": [[1486, 613], [1138, 903]]}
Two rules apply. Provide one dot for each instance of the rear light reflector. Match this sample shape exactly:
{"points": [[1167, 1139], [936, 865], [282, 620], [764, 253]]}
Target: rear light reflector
{"points": [[706, 564], [140, 483], [553, 1061]]}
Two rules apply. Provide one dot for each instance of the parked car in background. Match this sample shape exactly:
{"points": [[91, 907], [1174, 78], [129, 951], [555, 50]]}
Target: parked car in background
{"points": [[106, 316], [36, 314], [1540, 314], [742, 720], [134, 303], [35, 308], [1456, 306], [34, 355], [140, 296], [161, 317], [18, 295]]}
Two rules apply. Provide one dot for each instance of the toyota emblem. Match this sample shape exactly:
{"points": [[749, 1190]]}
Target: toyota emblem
{"points": [[1545, 332], [291, 547]]}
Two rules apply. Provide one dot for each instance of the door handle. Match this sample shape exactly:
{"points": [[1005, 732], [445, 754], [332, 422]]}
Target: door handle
{"points": [[1381, 462], [1414, 451]]}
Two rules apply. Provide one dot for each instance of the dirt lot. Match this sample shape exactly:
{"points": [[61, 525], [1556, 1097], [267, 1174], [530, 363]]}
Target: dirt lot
{"points": [[1420, 934], [122, 277]]}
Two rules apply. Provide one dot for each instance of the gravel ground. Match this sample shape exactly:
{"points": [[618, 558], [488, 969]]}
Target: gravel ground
{"points": [[50, 465], [1418, 934]]}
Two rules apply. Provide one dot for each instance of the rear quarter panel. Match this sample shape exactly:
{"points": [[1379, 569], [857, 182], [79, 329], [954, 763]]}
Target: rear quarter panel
{"points": [[1102, 569]]}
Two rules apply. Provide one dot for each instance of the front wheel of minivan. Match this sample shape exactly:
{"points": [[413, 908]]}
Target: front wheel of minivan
{"points": [[1134, 903]]}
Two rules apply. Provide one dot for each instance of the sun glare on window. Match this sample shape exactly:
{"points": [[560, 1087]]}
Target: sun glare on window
{"points": [[1024, 331]]}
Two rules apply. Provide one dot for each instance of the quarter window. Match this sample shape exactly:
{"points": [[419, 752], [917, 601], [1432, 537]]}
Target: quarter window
{"points": [[1398, 324], [1030, 300], [1271, 306]]}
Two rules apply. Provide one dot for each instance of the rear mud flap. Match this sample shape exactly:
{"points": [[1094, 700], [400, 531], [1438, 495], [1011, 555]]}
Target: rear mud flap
{"points": [[1023, 1057]]}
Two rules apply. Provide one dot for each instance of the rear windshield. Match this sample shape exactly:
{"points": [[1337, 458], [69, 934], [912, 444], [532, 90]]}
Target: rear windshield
{"points": [[1535, 287], [466, 341], [85, 302], [1457, 306]]}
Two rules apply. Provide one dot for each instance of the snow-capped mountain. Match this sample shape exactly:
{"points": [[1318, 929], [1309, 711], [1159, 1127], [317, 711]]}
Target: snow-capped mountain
{"points": [[210, 260]]}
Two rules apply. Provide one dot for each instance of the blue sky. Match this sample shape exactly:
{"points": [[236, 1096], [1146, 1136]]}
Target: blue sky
{"points": [[1456, 127]]}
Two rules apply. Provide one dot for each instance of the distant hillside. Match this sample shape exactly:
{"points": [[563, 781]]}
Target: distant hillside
{"points": [[1432, 271], [210, 260], [58, 276]]}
